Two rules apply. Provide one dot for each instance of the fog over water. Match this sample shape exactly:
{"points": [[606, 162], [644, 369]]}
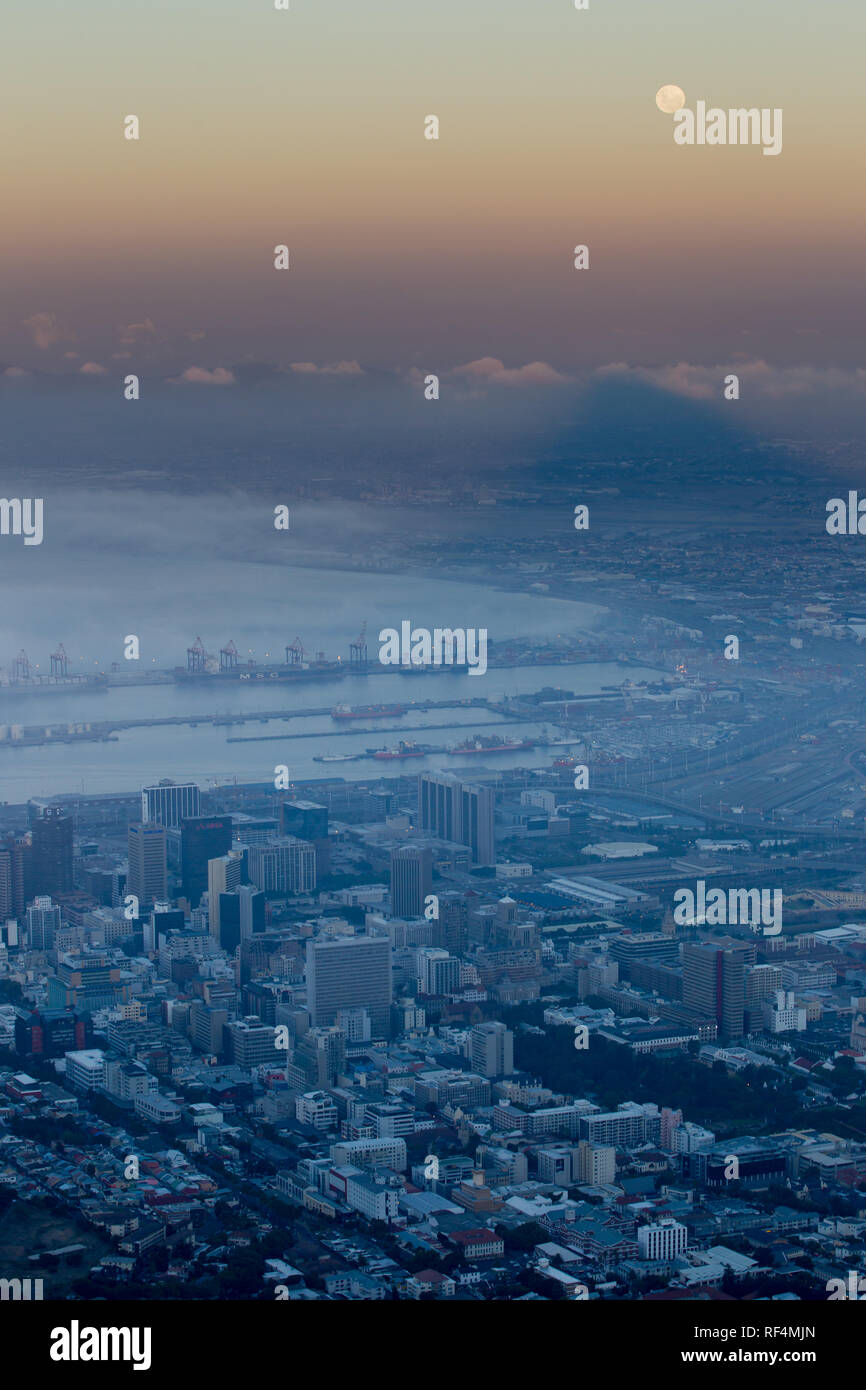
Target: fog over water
{"points": [[170, 568]]}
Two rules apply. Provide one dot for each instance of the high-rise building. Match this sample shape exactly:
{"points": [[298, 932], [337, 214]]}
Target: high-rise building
{"points": [[148, 871], [202, 838], [714, 982], [350, 973], [16, 870], [286, 865], [596, 1163], [224, 875], [491, 1049], [458, 811], [251, 919], [51, 1032], [307, 820], [436, 971], [163, 919], [52, 851], [169, 803], [477, 823], [239, 914], [762, 982], [411, 879], [452, 924], [439, 805], [43, 922], [251, 1043], [319, 1057], [207, 1024]]}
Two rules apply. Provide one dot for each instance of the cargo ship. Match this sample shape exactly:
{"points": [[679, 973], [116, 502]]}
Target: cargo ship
{"points": [[403, 750], [53, 685], [490, 745], [367, 712]]}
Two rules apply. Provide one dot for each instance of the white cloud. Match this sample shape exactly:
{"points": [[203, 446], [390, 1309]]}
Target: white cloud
{"points": [[203, 376], [331, 369], [703, 382], [136, 332], [494, 371], [46, 329]]}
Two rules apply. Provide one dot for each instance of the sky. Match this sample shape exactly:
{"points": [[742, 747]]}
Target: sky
{"points": [[306, 128]]}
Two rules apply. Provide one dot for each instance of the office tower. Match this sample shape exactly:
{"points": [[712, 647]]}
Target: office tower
{"points": [[452, 924], [52, 1032], [257, 998], [224, 875], [202, 838], [239, 914], [762, 982], [439, 805], [253, 830], [714, 982], [251, 1043], [458, 811], [43, 921], [350, 973], [170, 803], [16, 855], [411, 880], [251, 919], [103, 881], [355, 1023], [148, 876], [319, 1057], [477, 823], [643, 946], [436, 971], [287, 865], [207, 1025], [662, 1240], [491, 1049], [85, 981], [379, 804], [306, 820], [163, 919], [10, 934], [52, 851]]}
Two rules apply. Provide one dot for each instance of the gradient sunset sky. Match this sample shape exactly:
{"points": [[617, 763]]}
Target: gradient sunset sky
{"points": [[260, 127]]}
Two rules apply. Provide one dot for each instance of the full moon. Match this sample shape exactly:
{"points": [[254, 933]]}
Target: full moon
{"points": [[670, 99]]}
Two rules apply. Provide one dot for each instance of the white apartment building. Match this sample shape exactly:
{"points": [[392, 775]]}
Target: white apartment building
{"points": [[316, 1108], [374, 1197], [662, 1240], [371, 1153], [125, 1080], [85, 1071]]}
